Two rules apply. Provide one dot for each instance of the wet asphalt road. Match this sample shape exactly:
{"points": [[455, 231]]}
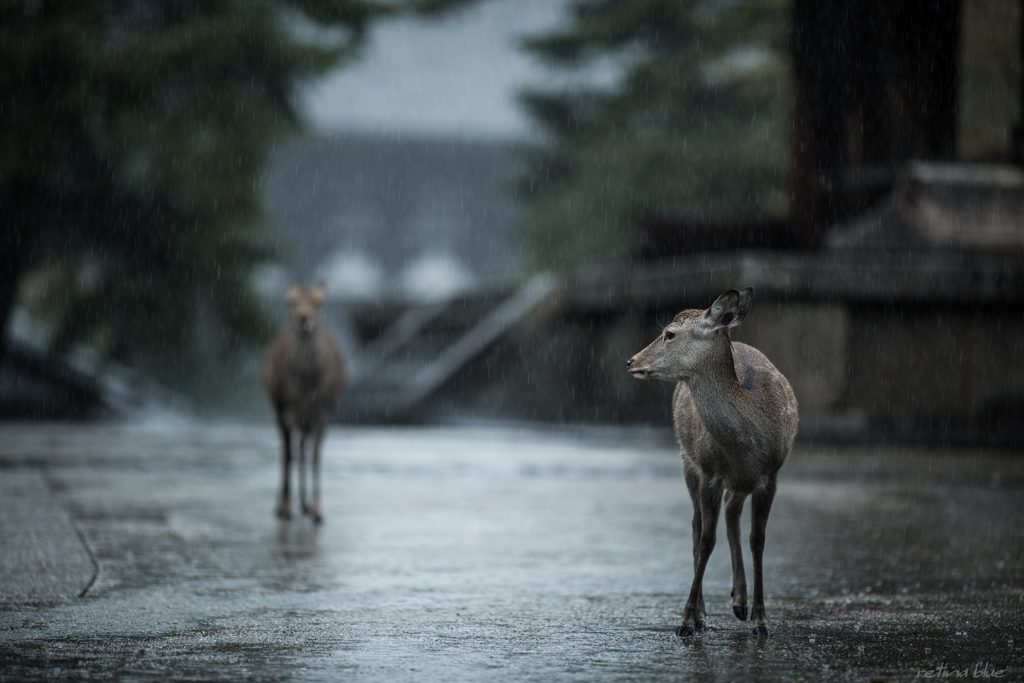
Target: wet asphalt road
{"points": [[479, 554]]}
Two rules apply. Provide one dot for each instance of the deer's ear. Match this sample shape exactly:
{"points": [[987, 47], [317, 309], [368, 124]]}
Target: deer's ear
{"points": [[293, 294], [318, 293], [731, 308], [746, 301]]}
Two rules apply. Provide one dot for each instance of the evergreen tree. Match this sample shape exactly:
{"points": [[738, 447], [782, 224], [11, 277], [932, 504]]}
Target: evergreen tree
{"points": [[132, 136], [695, 123]]}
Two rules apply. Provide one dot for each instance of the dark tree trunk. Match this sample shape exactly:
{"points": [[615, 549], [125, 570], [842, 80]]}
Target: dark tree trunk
{"points": [[1018, 132], [13, 257], [10, 276], [875, 85]]}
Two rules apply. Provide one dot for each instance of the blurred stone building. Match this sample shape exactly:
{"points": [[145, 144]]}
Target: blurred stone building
{"points": [[394, 217], [891, 297]]}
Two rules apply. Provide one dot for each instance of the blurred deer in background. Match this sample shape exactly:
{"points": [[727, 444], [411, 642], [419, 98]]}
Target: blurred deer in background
{"points": [[736, 419], [303, 373]]}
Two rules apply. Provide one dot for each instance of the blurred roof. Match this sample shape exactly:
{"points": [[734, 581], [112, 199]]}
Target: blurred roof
{"points": [[944, 206]]}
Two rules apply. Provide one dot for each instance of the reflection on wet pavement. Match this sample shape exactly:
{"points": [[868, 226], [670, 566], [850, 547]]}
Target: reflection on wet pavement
{"points": [[475, 553]]}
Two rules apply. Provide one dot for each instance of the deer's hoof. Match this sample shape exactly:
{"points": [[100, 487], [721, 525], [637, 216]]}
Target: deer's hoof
{"points": [[313, 512], [701, 626], [761, 631], [740, 611], [684, 630], [283, 513]]}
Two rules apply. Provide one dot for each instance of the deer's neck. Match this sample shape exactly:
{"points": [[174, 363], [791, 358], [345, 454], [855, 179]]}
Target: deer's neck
{"points": [[725, 408], [306, 354]]}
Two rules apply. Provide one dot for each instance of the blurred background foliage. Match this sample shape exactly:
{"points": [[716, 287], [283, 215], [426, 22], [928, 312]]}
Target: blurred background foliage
{"points": [[695, 123], [133, 134]]}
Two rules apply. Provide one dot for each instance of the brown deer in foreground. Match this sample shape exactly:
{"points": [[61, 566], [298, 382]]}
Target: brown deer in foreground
{"points": [[303, 373], [735, 418]]}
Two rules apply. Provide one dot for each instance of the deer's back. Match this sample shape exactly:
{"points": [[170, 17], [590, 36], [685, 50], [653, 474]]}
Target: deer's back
{"points": [[752, 436]]}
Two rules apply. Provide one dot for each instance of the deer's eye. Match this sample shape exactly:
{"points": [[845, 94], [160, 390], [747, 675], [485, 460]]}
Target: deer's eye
{"points": [[669, 335]]}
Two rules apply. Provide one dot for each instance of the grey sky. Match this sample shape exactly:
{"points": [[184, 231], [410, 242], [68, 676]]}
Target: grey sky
{"points": [[453, 77]]}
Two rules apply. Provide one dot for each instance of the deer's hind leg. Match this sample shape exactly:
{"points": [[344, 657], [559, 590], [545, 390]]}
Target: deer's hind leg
{"points": [[733, 509], [760, 507]]}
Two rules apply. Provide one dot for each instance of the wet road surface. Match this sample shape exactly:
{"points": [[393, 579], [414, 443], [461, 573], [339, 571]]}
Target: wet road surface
{"points": [[478, 554]]}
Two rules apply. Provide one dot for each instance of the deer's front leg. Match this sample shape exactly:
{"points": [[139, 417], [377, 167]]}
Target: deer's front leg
{"points": [[693, 486], [760, 507], [710, 493], [733, 509], [283, 509]]}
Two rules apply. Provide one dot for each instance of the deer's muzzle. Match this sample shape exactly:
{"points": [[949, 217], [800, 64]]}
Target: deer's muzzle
{"points": [[638, 372]]}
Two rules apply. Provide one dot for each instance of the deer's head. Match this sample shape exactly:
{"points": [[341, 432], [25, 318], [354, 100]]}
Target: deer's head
{"points": [[689, 342], [304, 308]]}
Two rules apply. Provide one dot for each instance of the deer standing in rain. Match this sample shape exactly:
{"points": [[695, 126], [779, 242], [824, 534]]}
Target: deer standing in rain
{"points": [[735, 418], [303, 373]]}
